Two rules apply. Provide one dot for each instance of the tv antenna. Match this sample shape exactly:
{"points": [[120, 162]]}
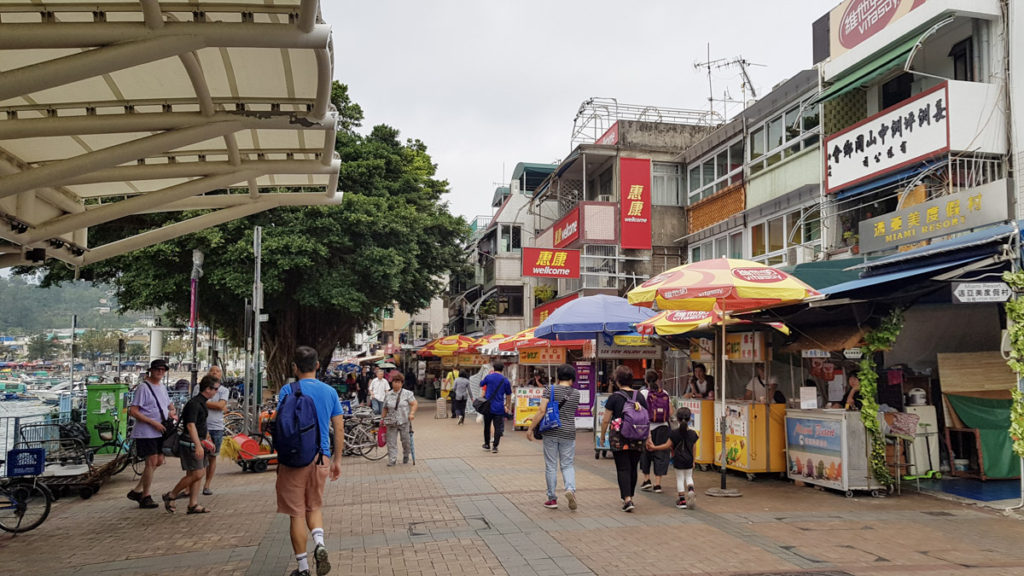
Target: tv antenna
{"points": [[719, 63]]}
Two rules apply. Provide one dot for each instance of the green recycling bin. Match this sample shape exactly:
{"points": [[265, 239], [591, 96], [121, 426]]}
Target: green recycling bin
{"points": [[106, 413]]}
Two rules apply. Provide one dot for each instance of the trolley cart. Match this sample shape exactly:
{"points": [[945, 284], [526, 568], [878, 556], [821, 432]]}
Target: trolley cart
{"points": [[70, 465], [251, 456]]}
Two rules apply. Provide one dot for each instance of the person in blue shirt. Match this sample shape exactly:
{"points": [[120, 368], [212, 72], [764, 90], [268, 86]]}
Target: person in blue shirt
{"points": [[499, 390], [300, 491]]}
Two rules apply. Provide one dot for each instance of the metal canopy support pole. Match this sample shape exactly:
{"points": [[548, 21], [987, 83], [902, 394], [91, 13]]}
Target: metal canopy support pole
{"points": [[28, 36], [247, 378], [257, 309], [197, 273], [722, 491]]}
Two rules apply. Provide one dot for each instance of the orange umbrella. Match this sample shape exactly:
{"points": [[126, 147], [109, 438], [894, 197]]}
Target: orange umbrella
{"points": [[484, 341], [732, 285], [526, 339], [446, 346]]}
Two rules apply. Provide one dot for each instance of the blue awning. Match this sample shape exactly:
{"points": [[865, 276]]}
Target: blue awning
{"points": [[875, 281]]}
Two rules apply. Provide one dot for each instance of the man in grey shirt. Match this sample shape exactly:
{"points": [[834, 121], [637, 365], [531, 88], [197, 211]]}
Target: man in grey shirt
{"points": [[461, 392]]}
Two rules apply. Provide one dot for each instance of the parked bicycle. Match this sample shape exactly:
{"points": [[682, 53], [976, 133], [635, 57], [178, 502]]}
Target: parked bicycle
{"points": [[121, 447], [361, 435], [24, 501]]}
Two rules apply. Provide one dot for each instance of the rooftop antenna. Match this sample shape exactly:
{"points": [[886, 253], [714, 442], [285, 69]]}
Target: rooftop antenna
{"points": [[743, 64]]}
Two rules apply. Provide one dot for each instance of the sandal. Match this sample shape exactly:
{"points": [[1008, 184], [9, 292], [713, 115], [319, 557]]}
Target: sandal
{"points": [[197, 509], [147, 502], [168, 502]]}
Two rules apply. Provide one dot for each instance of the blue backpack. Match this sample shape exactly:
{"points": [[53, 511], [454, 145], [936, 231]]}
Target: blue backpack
{"points": [[297, 429]]}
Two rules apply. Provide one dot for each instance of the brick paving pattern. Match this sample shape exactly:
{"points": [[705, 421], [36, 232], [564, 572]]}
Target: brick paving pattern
{"points": [[461, 510]]}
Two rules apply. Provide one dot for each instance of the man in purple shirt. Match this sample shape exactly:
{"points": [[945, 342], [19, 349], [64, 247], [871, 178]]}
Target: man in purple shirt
{"points": [[150, 406]]}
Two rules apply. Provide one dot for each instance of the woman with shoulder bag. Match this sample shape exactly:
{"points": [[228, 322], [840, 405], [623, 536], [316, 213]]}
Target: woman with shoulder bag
{"points": [[560, 442]]}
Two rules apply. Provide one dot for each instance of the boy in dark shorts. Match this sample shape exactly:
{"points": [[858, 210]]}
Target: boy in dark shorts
{"points": [[195, 441]]}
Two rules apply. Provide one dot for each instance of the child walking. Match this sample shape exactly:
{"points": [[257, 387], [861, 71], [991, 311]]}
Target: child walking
{"points": [[681, 442]]}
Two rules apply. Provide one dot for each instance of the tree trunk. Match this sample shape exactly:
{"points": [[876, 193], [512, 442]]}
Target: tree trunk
{"points": [[297, 326]]}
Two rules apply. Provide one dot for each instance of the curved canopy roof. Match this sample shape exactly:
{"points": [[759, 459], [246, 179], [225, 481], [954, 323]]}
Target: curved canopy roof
{"points": [[112, 108]]}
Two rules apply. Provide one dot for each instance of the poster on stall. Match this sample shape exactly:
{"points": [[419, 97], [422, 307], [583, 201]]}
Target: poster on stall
{"points": [[587, 386], [527, 404], [736, 418], [600, 400], [815, 451], [695, 419]]}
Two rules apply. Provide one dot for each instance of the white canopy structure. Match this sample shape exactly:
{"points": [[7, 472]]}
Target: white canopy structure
{"points": [[110, 108]]}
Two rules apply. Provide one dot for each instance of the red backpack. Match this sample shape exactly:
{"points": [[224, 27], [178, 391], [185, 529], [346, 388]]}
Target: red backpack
{"points": [[659, 406]]}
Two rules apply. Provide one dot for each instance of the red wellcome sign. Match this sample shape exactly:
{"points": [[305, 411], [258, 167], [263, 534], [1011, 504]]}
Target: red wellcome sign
{"points": [[635, 203], [549, 263], [567, 230]]}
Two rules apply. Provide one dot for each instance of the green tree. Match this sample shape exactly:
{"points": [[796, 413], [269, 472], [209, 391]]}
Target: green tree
{"points": [[326, 269], [178, 348], [135, 351], [91, 344], [42, 347]]}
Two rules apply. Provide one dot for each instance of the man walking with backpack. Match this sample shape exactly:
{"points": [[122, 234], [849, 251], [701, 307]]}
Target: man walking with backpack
{"points": [[659, 407], [307, 409]]}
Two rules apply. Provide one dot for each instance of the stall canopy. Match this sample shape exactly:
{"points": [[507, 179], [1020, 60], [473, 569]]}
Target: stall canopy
{"points": [[115, 109]]}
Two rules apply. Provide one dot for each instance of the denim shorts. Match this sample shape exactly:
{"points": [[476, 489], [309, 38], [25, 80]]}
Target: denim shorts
{"points": [[216, 436]]}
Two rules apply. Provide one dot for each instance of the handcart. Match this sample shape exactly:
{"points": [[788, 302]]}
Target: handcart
{"points": [[251, 455], [70, 465]]}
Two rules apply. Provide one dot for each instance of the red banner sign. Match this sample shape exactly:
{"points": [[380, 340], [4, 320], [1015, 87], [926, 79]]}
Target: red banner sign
{"points": [[548, 263], [635, 203], [567, 230], [541, 313], [610, 137]]}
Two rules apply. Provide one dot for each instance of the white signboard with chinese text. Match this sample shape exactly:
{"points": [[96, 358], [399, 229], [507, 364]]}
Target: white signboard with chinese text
{"points": [[969, 292], [612, 351], [890, 140], [939, 217]]}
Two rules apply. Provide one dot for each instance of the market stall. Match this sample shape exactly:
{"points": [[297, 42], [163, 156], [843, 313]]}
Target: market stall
{"points": [[828, 448], [703, 423]]}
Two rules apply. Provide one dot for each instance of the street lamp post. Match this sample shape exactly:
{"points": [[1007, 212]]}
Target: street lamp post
{"points": [[197, 273]]}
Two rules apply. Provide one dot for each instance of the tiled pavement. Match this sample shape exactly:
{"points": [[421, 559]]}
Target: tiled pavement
{"points": [[464, 511]]}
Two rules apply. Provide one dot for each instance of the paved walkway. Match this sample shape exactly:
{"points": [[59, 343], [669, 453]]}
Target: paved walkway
{"points": [[461, 510]]}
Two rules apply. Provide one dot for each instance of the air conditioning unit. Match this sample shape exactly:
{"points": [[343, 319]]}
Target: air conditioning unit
{"points": [[604, 197], [799, 255]]}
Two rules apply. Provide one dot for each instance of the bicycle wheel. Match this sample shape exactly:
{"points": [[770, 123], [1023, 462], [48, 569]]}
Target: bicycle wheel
{"points": [[265, 442], [138, 463], [24, 505], [368, 442], [233, 425]]}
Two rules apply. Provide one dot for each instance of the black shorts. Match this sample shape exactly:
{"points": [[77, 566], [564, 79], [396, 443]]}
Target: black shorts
{"points": [[146, 447]]}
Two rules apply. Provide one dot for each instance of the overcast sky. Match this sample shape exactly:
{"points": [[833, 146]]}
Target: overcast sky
{"points": [[490, 83]]}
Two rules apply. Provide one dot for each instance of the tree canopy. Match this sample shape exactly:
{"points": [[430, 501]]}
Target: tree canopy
{"points": [[326, 270]]}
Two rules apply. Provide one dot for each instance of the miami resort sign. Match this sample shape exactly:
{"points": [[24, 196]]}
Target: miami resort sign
{"points": [[939, 217]]}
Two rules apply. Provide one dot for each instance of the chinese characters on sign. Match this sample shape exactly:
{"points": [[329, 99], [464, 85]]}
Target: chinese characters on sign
{"points": [[542, 356], [939, 217], [889, 141], [551, 263], [854, 21], [635, 203], [969, 292]]}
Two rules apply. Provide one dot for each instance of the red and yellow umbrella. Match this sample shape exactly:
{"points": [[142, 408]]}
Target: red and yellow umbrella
{"points": [[484, 341], [446, 346], [732, 285], [526, 339], [675, 322]]}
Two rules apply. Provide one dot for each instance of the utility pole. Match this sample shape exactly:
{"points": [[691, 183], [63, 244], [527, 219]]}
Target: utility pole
{"points": [[197, 273], [257, 308]]}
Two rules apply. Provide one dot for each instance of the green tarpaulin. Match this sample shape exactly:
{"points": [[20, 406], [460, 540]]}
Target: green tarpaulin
{"points": [[992, 419]]}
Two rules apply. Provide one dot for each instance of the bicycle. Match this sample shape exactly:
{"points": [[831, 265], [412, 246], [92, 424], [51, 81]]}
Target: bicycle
{"points": [[24, 501], [361, 435], [123, 447]]}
